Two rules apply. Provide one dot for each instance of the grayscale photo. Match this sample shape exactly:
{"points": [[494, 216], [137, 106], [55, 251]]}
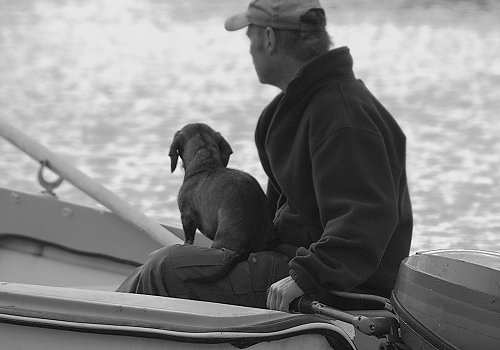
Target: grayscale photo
{"points": [[250, 174]]}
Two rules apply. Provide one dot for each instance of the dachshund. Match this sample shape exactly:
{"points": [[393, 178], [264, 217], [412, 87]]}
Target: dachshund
{"points": [[226, 205]]}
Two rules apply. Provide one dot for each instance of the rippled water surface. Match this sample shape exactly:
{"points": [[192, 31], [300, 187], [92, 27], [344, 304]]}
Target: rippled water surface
{"points": [[108, 82]]}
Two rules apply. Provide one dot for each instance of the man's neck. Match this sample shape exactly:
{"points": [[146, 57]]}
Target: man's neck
{"points": [[287, 71]]}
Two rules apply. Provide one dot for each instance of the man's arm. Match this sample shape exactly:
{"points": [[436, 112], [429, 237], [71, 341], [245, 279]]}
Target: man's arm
{"points": [[357, 201]]}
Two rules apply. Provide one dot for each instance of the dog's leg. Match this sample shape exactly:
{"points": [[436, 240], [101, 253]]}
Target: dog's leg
{"points": [[189, 224]]}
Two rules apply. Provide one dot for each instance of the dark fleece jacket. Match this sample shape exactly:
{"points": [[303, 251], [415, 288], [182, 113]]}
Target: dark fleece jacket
{"points": [[335, 158]]}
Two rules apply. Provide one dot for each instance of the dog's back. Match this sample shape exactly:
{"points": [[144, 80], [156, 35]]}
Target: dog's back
{"points": [[226, 205], [243, 220]]}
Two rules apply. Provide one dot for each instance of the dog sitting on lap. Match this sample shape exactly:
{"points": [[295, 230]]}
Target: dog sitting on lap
{"points": [[226, 205]]}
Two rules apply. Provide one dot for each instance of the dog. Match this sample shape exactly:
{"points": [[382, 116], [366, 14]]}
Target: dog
{"points": [[226, 205]]}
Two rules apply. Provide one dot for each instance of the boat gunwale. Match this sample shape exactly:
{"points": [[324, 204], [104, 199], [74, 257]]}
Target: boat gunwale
{"points": [[334, 334]]}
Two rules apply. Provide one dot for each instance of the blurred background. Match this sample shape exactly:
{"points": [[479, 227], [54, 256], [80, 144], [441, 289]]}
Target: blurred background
{"points": [[107, 83]]}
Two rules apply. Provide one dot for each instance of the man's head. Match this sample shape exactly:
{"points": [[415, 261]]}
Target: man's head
{"points": [[283, 34]]}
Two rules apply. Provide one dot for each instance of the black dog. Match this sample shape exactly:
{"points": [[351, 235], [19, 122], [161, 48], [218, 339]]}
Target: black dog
{"points": [[226, 205]]}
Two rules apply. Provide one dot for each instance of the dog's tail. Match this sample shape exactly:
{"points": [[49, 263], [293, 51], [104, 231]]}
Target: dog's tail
{"points": [[224, 269]]}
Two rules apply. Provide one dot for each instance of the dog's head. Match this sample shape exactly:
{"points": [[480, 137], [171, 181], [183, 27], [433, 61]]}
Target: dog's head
{"points": [[194, 137]]}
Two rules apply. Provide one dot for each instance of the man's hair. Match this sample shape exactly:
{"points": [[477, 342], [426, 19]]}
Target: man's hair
{"points": [[303, 45]]}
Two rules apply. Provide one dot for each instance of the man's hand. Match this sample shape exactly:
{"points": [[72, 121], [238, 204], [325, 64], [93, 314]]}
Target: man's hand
{"points": [[282, 293]]}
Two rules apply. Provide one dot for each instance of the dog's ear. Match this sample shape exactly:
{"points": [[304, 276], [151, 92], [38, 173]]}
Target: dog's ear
{"points": [[174, 151], [224, 148]]}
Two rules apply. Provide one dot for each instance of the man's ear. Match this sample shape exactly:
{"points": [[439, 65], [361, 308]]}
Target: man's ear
{"points": [[270, 40]]}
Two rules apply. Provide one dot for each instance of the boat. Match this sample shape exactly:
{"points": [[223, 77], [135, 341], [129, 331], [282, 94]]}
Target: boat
{"points": [[61, 262]]}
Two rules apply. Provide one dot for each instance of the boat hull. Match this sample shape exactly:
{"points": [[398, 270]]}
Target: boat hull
{"points": [[61, 262], [15, 336]]}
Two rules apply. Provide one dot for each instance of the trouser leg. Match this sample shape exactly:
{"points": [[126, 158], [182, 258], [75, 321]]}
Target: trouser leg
{"points": [[146, 279], [168, 271]]}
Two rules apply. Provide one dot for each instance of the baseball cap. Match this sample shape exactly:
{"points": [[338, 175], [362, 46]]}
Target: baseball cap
{"points": [[279, 14]]}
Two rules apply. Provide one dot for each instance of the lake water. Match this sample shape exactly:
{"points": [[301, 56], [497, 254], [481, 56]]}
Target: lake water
{"points": [[108, 82]]}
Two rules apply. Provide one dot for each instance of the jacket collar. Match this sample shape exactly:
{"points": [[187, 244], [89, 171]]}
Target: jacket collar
{"points": [[335, 64]]}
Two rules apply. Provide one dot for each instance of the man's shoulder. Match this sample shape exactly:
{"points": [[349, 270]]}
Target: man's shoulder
{"points": [[349, 103], [345, 108], [328, 109]]}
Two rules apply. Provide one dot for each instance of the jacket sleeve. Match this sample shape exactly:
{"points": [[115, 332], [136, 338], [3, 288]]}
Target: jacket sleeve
{"points": [[357, 201]]}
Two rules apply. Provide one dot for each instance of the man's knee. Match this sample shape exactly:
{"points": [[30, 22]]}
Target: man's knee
{"points": [[157, 258], [158, 255]]}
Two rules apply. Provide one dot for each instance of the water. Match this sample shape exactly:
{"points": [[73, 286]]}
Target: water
{"points": [[108, 82]]}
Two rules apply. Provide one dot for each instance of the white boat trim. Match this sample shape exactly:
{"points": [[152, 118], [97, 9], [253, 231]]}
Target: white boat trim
{"points": [[142, 316], [202, 337]]}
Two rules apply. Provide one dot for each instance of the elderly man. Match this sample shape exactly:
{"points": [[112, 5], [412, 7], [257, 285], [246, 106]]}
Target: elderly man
{"points": [[335, 159]]}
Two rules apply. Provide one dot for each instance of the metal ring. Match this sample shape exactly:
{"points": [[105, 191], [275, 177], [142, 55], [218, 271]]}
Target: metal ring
{"points": [[48, 185]]}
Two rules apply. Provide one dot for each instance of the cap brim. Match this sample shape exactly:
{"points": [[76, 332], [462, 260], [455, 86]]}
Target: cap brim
{"points": [[237, 22]]}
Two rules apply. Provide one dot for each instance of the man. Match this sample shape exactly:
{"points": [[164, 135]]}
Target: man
{"points": [[337, 179]]}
